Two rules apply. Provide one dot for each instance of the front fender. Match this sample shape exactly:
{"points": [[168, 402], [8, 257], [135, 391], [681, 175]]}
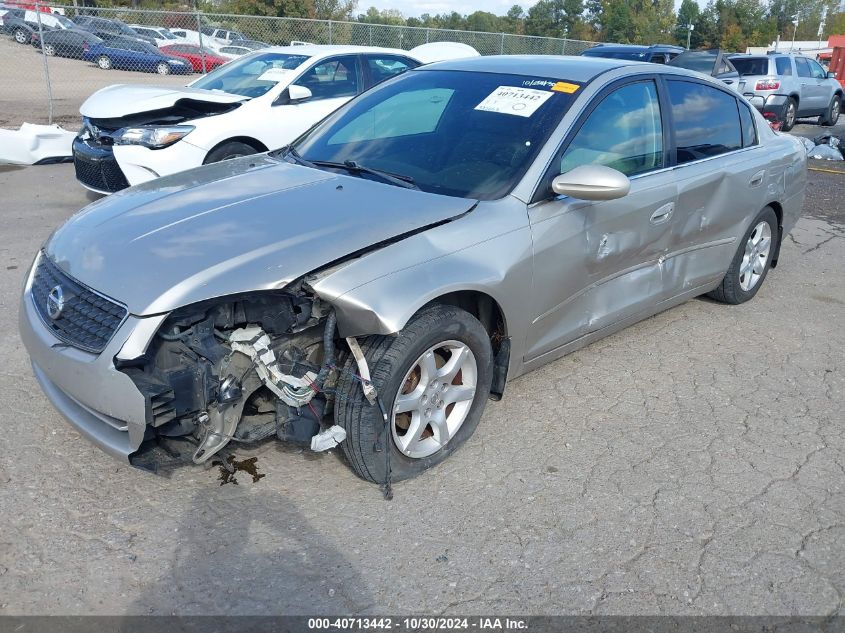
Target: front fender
{"points": [[494, 257]]}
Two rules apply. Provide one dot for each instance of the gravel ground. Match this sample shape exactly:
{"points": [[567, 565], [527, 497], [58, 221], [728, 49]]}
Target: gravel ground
{"points": [[691, 464]]}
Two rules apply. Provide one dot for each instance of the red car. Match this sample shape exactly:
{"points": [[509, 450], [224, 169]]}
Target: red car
{"points": [[194, 55]]}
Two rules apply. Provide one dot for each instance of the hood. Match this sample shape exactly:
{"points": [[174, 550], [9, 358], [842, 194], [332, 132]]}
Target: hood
{"points": [[256, 223], [122, 100]]}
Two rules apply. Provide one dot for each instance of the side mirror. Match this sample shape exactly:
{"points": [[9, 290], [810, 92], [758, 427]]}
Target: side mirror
{"points": [[298, 94], [831, 75], [592, 182]]}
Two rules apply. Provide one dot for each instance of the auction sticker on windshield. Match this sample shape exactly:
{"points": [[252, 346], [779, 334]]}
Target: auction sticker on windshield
{"points": [[513, 100], [274, 74]]}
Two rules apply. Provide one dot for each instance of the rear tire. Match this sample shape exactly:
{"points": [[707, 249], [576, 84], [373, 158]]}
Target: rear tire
{"points": [[434, 335], [49, 50], [830, 117], [163, 68], [104, 62], [790, 116], [21, 36], [228, 151], [752, 261]]}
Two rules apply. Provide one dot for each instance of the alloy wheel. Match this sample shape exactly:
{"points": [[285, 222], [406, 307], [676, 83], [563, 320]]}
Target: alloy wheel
{"points": [[756, 256], [790, 115], [163, 69], [834, 111], [20, 36], [49, 50], [434, 399]]}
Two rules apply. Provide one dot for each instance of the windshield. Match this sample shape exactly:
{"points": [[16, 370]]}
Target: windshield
{"points": [[465, 134], [702, 62], [751, 65], [251, 76]]}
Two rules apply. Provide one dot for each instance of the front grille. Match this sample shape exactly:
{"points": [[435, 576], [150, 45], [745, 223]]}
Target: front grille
{"points": [[97, 167], [86, 320]]}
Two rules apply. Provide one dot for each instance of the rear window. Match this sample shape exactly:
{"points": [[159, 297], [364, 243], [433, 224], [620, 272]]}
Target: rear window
{"points": [[751, 65]]}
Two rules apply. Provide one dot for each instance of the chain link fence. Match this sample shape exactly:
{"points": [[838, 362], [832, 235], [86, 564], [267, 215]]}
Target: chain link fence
{"points": [[53, 58]]}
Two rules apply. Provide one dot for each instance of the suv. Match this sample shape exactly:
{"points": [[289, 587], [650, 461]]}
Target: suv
{"points": [[657, 54], [785, 87]]}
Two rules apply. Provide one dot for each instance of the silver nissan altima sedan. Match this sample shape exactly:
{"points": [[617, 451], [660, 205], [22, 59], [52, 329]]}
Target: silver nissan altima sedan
{"points": [[373, 284]]}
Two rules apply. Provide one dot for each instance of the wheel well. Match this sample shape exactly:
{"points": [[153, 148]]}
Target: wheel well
{"points": [[257, 145], [488, 311], [795, 98], [483, 307], [779, 213]]}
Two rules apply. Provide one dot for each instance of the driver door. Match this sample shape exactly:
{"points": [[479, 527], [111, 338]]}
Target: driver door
{"points": [[332, 82], [597, 263]]}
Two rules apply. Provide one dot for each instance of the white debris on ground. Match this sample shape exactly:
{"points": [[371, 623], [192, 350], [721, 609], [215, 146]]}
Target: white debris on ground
{"points": [[32, 144], [824, 147]]}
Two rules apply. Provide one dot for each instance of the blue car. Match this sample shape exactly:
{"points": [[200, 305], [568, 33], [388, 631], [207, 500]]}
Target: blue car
{"points": [[133, 55]]}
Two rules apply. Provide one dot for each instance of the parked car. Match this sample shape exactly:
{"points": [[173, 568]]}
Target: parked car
{"points": [[23, 25], [159, 36], [66, 42], [102, 26], [712, 62], [198, 39], [12, 23], [785, 87], [224, 36], [656, 54], [130, 55], [257, 102], [377, 281], [201, 60]]}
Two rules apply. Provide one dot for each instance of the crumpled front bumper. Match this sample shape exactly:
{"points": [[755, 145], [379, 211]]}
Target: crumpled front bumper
{"points": [[773, 105], [102, 403]]}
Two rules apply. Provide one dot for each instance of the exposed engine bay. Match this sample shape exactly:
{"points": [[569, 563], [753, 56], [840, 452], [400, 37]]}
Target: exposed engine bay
{"points": [[242, 370]]}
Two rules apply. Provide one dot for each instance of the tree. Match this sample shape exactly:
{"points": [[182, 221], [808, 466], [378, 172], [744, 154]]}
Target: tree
{"points": [[688, 14], [553, 18], [483, 21], [334, 9], [619, 23], [514, 21]]}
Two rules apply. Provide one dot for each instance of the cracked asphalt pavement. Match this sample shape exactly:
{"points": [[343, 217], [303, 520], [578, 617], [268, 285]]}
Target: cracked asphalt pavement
{"points": [[691, 464]]}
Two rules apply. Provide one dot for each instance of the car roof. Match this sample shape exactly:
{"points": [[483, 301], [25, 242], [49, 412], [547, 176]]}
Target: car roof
{"points": [[636, 47], [573, 68], [316, 50]]}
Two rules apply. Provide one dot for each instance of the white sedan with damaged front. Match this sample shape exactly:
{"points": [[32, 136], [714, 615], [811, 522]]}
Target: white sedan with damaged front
{"points": [[134, 133]]}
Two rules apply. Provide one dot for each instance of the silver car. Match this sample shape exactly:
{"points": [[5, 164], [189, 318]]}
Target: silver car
{"points": [[375, 283], [787, 87]]}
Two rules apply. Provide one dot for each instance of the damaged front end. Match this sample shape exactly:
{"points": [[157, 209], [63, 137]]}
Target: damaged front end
{"points": [[240, 370], [93, 148]]}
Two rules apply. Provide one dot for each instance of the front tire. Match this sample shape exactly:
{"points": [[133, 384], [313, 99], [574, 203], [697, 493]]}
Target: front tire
{"points": [[49, 50], [790, 116], [433, 379], [163, 69], [751, 262], [228, 151], [832, 115], [104, 62]]}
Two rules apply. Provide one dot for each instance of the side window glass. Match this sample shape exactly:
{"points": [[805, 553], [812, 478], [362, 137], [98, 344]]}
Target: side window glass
{"points": [[706, 121], [332, 78], [383, 67], [817, 70], [803, 67], [749, 131], [658, 59], [783, 67], [623, 132]]}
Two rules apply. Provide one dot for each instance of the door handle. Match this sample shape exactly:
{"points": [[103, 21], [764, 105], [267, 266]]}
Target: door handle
{"points": [[663, 214], [757, 178]]}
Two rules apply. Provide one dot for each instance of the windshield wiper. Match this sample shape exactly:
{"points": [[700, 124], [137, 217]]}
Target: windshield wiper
{"points": [[352, 167]]}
